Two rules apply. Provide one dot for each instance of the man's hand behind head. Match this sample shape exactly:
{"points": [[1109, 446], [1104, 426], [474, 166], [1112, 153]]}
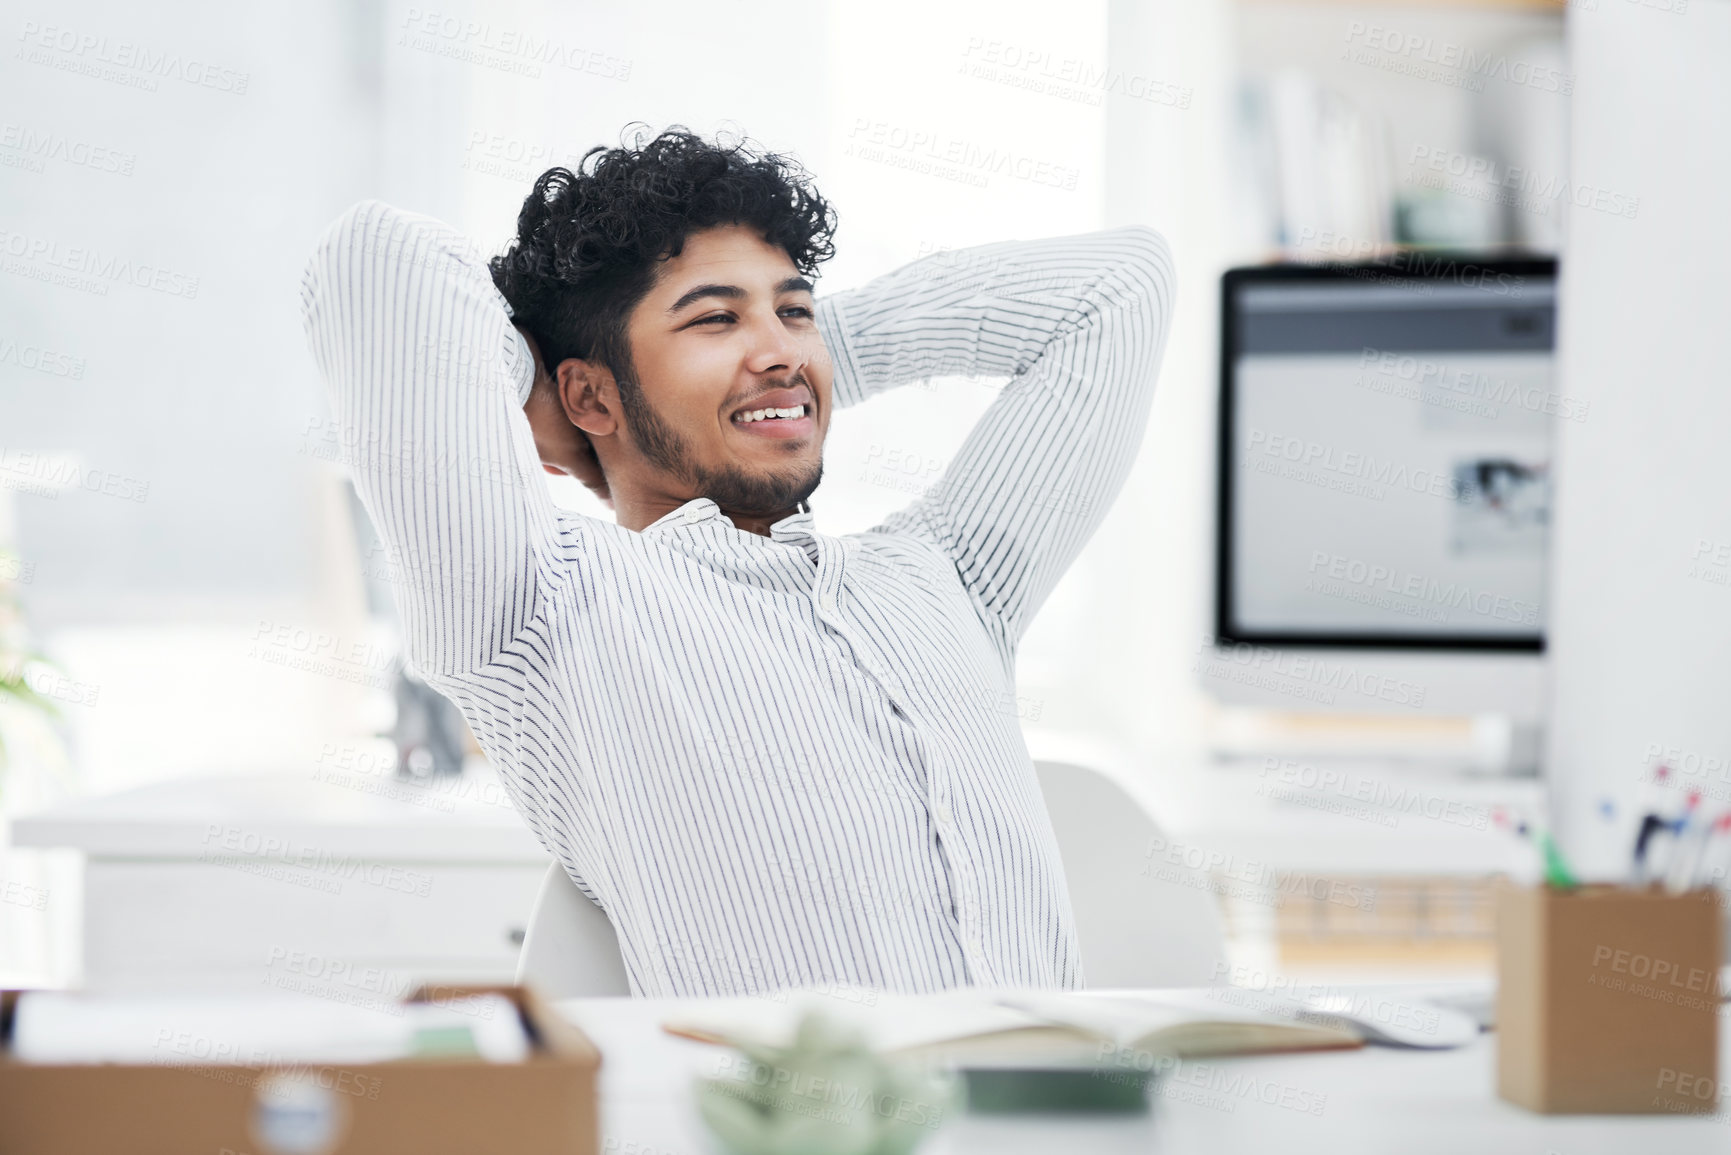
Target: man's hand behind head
{"points": [[562, 447]]}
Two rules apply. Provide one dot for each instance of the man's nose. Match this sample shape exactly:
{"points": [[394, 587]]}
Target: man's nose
{"points": [[774, 348]]}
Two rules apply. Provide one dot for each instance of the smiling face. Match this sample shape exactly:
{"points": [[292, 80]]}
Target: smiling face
{"points": [[730, 396]]}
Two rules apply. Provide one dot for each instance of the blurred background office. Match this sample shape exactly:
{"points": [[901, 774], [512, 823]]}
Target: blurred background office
{"points": [[193, 595]]}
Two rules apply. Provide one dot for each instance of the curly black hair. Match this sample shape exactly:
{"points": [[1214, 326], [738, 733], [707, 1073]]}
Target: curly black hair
{"points": [[588, 241]]}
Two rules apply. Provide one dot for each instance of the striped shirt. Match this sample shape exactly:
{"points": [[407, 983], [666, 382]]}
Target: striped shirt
{"points": [[779, 761]]}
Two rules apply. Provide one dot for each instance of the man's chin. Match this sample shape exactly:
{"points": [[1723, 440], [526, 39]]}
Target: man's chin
{"points": [[760, 494]]}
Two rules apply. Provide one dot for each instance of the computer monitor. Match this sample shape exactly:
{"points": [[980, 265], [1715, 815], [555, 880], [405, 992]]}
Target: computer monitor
{"points": [[1384, 485]]}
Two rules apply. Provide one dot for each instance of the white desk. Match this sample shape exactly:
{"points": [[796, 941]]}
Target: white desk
{"points": [[1374, 1100], [1370, 816], [347, 884], [1250, 815]]}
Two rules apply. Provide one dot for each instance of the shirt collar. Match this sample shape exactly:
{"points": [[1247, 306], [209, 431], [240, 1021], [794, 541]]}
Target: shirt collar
{"points": [[795, 527], [698, 509]]}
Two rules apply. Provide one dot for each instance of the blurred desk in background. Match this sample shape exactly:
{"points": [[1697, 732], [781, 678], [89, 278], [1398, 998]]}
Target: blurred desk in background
{"points": [[354, 883], [1337, 869], [349, 884], [1353, 869]]}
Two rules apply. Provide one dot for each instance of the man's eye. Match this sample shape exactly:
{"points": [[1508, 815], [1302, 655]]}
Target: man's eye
{"points": [[797, 311], [716, 317]]}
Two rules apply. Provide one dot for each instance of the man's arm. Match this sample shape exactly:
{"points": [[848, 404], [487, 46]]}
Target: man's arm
{"points": [[427, 378], [1079, 325]]}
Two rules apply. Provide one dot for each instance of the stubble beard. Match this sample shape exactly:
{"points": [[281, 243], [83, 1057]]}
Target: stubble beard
{"points": [[734, 489]]}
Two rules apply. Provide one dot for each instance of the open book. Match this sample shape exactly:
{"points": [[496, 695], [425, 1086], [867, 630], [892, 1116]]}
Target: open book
{"points": [[1006, 1027]]}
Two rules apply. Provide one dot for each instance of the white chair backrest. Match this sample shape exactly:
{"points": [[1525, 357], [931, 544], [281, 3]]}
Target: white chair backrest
{"points": [[570, 950], [1140, 923]]}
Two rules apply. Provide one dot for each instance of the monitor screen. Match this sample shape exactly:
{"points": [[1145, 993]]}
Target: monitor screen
{"points": [[1386, 455]]}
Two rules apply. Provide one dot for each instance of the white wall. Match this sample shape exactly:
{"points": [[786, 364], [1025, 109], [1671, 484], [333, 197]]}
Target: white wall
{"points": [[169, 168], [1641, 611], [1167, 166], [210, 166]]}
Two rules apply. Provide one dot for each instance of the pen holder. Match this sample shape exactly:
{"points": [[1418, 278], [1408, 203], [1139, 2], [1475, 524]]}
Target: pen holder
{"points": [[1608, 999]]}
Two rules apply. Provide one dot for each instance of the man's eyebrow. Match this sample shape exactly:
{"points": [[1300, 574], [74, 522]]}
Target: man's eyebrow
{"points": [[793, 284]]}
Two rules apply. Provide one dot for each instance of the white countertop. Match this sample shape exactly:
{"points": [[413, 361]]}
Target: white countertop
{"points": [[365, 815], [1372, 1100]]}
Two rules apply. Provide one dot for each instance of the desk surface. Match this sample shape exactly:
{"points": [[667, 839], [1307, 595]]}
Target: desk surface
{"points": [[1371, 1100]]}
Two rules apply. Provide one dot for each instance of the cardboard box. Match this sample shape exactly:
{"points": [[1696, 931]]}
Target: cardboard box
{"points": [[1608, 999], [426, 1107]]}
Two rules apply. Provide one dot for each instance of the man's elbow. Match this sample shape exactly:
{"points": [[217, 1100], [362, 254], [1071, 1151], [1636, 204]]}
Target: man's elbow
{"points": [[1143, 279], [350, 231]]}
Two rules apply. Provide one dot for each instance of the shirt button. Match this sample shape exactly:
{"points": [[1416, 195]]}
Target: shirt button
{"points": [[942, 813]]}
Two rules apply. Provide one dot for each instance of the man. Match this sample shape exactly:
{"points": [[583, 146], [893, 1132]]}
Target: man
{"points": [[775, 758]]}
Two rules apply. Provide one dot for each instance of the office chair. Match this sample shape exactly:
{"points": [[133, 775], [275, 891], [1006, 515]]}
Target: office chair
{"points": [[570, 950], [1140, 922]]}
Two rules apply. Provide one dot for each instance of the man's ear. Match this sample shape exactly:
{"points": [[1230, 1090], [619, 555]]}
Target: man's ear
{"points": [[589, 395]]}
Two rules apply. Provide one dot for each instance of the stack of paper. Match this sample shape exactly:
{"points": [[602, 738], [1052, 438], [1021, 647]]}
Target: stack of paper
{"points": [[259, 1030]]}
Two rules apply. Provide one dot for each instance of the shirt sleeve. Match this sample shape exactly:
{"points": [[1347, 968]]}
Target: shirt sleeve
{"points": [[1079, 326], [427, 377]]}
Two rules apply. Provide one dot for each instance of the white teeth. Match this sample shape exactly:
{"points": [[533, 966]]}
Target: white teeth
{"points": [[764, 414]]}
